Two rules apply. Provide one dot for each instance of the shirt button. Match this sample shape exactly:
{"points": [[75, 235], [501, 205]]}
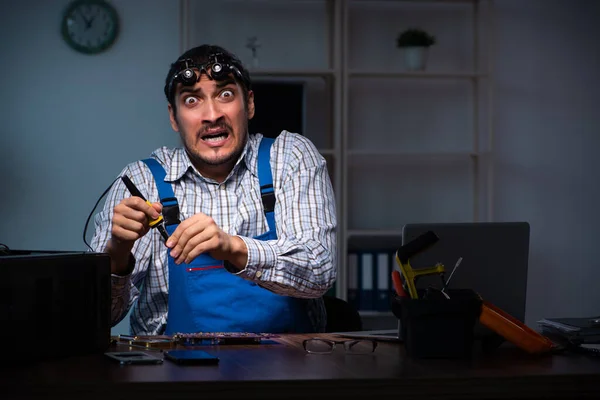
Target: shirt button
{"points": [[258, 274]]}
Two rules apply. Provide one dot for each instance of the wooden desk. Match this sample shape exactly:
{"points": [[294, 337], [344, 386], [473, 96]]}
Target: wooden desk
{"points": [[283, 370]]}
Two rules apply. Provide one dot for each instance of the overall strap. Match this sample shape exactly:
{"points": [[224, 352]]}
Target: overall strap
{"points": [[165, 192], [265, 179]]}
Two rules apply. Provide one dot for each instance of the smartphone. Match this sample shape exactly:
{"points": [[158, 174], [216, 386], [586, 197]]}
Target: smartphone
{"points": [[191, 357], [133, 357]]}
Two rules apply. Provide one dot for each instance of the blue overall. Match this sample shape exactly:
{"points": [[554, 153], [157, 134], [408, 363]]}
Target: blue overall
{"points": [[205, 297]]}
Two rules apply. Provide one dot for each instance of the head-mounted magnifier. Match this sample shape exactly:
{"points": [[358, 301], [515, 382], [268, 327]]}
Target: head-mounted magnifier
{"points": [[218, 67]]}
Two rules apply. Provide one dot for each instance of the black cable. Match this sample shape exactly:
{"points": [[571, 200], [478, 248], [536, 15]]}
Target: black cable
{"points": [[4, 249], [87, 221]]}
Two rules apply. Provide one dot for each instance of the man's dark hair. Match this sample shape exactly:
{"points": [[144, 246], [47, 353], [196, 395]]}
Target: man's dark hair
{"points": [[200, 55]]}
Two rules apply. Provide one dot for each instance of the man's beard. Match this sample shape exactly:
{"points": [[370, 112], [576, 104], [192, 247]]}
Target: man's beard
{"points": [[197, 159]]}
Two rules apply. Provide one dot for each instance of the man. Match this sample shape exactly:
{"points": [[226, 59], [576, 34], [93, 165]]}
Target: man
{"points": [[243, 255]]}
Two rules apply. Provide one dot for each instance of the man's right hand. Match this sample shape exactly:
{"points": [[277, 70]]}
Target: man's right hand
{"points": [[130, 222]]}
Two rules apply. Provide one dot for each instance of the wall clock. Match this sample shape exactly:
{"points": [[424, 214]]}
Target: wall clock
{"points": [[90, 26]]}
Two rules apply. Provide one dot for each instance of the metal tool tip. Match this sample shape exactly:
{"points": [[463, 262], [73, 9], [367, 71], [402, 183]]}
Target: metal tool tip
{"points": [[162, 231]]}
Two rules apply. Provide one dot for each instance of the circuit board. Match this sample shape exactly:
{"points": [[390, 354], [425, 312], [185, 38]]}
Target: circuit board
{"points": [[221, 338]]}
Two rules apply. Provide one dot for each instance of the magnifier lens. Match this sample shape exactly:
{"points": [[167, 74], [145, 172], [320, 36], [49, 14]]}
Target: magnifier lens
{"points": [[188, 76]]}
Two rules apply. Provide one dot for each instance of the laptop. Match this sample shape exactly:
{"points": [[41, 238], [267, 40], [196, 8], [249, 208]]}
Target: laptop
{"points": [[54, 303], [495, 258], [386, 335]]}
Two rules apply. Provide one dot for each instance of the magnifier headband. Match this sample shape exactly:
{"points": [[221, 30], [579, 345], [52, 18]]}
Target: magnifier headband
{"points": [[218, 67]]}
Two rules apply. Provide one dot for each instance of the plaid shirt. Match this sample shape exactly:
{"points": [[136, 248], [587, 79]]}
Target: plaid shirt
{"points": [[300, 263]]}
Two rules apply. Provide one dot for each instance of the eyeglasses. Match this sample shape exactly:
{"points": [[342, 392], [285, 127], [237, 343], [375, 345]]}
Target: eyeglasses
{"points": [[326, 346]]}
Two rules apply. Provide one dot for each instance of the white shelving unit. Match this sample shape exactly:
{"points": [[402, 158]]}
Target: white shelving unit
{"points": [[402, 146], [416, 144]]}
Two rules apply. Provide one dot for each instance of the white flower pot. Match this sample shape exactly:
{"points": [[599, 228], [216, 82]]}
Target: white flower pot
{"points": [[415, 58]]}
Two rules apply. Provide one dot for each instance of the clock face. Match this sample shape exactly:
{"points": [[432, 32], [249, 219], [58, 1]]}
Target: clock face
{"points": [[90, 26]]}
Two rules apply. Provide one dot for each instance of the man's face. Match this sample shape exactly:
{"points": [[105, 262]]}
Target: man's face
{"points": [[213, 123]]}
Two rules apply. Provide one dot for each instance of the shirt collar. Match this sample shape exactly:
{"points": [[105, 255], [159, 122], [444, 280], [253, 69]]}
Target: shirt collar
{"points": [[180, 164], [251, 154]]}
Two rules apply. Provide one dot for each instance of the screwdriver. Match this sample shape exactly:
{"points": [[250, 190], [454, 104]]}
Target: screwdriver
{"points": [[157, 223]]}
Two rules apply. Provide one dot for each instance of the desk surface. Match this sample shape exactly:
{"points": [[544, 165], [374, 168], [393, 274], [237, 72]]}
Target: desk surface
{"points": [[282, 369]]}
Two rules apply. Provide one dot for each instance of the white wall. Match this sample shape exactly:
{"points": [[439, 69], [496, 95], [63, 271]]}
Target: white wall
{"points": [[547, 137], [70, 122]]}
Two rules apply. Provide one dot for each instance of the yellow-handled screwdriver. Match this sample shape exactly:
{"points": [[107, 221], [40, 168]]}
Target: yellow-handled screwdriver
{"points": [[157, 223], [410, 275]]}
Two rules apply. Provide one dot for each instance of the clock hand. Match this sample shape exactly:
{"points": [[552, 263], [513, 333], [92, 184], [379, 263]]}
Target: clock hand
{"points": [[88, 22]]}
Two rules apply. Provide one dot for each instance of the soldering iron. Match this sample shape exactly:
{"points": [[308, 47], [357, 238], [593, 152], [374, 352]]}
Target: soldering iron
{"points": [[157, 223]]}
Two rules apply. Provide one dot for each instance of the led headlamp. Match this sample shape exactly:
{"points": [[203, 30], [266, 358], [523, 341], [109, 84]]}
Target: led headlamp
{"points": [[218, 67]]}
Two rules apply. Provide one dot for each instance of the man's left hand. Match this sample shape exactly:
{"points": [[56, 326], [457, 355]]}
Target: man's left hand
{"points": [[200, 234]]}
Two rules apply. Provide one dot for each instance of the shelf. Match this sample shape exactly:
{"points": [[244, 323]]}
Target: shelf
{"points": [[284, 73], [327, 152], [375, 3], [415, 74], [374, 314], [373, 233], [447, 154], [417, 156]]}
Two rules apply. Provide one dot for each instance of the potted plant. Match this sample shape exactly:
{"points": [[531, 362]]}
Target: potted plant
{"points": [[415, 44]]}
